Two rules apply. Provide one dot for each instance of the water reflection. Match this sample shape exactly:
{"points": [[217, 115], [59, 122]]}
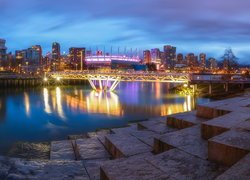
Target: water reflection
{"points": [[47, 107], [27, 103]]}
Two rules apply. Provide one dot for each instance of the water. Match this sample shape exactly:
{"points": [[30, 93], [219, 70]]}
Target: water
{"points": [[52, 113]]}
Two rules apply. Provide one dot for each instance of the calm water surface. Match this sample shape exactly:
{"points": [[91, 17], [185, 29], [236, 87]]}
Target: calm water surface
{"points": [[53, 113]]}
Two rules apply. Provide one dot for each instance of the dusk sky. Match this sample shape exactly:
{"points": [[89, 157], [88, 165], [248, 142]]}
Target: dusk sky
{"points": [[207, 26]]}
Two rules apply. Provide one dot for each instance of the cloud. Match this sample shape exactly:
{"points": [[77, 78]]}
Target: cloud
{"points": [[187, 24]]}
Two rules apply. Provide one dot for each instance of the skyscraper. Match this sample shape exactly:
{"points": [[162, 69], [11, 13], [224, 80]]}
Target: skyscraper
{"points": [[170, 56], [147, 56], [56, 54], [3, 50], [155, 55], [202, 58], [180, 58], [38, 48], [192, 60], [77, 56]]}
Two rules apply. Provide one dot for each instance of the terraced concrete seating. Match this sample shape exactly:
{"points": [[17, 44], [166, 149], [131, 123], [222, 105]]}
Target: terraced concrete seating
{"points": [[239, 171], [125, 145], [91, 148], [15, 168], [156, 126], [229, 147], [184, 120], [145, 136], [221, 124], [125, 130], [188, 140], [173, 164], [135, 167], [62, 150]]}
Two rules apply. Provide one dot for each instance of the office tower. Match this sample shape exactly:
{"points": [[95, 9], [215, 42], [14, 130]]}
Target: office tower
{"points": [[147, 56], [202, 59], [155, 55], [212, 63], [192, 60], [3, 50], [77, 57], [56, 52], [180, 59], [170, 56]]}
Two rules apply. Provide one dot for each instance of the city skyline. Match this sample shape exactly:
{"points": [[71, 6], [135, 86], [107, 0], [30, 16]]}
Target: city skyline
{"points": [[192, 26]]}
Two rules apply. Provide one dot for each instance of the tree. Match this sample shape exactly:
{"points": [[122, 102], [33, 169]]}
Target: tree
{"points": [[229, 60]]}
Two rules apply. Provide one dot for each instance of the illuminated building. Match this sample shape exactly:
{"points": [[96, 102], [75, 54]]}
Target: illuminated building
{"points": [[105, 60], [77, 55], [202, 57], [3, 50], [34, 55], [21, 56], [180, 58], [155, 55], [147, 56], [56, 52], [192, 60], [212, 63], [170, 56]]}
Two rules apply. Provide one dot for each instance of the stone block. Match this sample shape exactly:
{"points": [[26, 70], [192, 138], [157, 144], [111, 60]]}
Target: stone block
{"points": [[125, 145], [91, 148], [239, 171], [221, 124], [188, 140], [229, 147], [62, 150]]}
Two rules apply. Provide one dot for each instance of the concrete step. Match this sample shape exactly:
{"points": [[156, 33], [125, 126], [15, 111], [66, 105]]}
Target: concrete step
{"points": [[184, 120], [135, 167], [214, 109], [156, 126], [125, 145], [173, 164], [91, 148], [34, 169], [221, 124], [229, 147], [145, 136], [100, 135], [93, 167], [124, 130], [239, 171], [188, 140], [62, 150], [181, 165]]}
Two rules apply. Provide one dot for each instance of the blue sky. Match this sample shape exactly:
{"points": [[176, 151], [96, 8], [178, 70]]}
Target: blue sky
{"points": [[190, 25]]}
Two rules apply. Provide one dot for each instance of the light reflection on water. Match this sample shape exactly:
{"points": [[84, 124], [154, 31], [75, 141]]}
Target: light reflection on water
{"points": [[55, 112]]}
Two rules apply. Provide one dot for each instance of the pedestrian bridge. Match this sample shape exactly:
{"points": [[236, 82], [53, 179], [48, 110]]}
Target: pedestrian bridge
{"points": [[108, 81]]}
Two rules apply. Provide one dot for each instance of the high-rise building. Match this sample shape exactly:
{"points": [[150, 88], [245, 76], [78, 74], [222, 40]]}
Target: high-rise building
{"points": [[56, 52], [192, 60], [38, 48], [155, 55], [170, 56], [180, 58], [34, 55], [77, 56], [202, 58], [21, 56], [147, 56], [212, 63], [3, 50]]}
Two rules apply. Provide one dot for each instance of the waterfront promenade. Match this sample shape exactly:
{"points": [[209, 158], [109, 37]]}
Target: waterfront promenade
{"points": [[212, 142]]}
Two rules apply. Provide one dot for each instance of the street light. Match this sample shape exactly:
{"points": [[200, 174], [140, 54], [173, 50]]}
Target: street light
{"points": [[76, 66]]}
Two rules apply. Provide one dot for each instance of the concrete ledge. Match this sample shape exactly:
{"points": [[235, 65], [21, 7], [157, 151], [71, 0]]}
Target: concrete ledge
{"points": [[204, 111], [221, 124], [125, 145], [184, 120], [188, 140], [229, 147], [239, 171], [156, 126], [91, 148], [62, 150]]}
